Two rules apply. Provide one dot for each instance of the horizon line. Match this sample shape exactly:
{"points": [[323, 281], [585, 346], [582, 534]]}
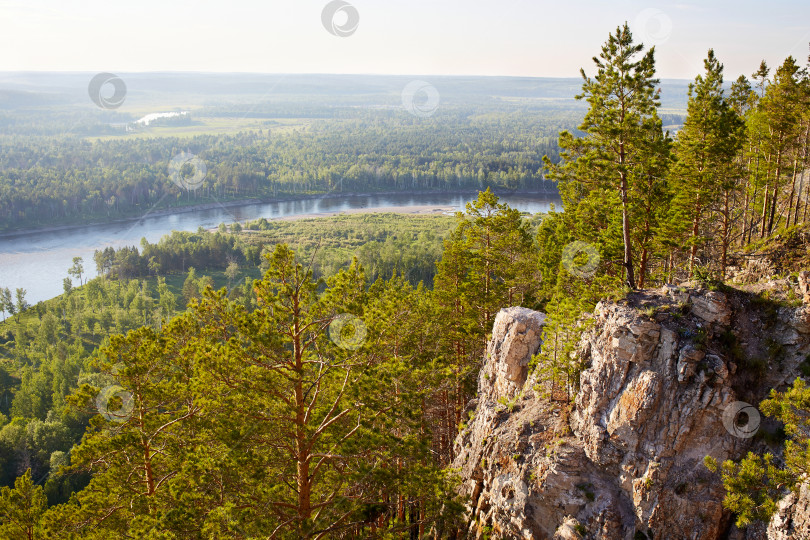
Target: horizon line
{"points": [[306, 73]]}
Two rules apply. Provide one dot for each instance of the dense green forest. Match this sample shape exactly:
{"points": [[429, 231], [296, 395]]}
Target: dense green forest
{"points": [[50, 347], [322, 398], [67, 179], [384, 244]]}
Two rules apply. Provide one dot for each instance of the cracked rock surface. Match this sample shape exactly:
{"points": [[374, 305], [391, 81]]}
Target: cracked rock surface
{"points": [[626, 457]]}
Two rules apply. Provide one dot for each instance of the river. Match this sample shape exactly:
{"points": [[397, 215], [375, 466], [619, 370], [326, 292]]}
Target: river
{"points": [[38, 261]]}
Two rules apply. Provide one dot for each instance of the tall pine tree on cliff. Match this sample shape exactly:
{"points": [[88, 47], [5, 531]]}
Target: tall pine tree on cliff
{"points": [[614, 152], [705, 149]]}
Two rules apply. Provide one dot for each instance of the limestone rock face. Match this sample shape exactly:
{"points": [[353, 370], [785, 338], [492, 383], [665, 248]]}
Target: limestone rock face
{"points": [[792, 520], [804, 285], [801, 320], [516, 336], [568, 530], [627, 456]]}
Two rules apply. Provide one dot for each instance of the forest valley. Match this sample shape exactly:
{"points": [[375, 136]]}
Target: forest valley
{"points": [[64, 179], [314, 397]]}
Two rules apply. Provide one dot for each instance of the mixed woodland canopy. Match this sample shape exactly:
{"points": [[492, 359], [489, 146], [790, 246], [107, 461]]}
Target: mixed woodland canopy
{"points": [[308, 380]]}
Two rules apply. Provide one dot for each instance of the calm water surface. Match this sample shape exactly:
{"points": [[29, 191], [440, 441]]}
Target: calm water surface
{"points": [[38, 261]]}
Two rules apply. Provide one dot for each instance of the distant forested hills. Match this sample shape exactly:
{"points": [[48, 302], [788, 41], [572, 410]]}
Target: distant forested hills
{"points": [[50, 88], [64, 160]]}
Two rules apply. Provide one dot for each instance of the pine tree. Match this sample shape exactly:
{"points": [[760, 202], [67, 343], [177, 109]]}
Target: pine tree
{"points": [[755, 485], [741, 99], [21, 509], [499, 246], [622, 97], [755, 130], [295, 420], [704, 150], [651, 197], [190, 288], [458, 338], [557, 366], [137, 445], [781, 112], [488, 263], [167, 301]]}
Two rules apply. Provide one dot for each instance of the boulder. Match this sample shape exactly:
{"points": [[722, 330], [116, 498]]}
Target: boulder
{"points": [[712, 307]]}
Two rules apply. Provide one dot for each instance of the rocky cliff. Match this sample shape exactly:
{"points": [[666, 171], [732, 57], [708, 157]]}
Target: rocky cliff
{"points": [[670, 378]]}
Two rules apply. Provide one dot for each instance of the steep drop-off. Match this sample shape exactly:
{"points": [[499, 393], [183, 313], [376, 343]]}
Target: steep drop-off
{"points": [[668, 373]]}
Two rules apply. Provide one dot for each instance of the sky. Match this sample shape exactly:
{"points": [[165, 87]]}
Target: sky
{"points": [[533, 38]]}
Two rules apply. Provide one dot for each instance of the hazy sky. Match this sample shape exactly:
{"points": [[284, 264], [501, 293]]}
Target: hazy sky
{"points": [[504, 37]]}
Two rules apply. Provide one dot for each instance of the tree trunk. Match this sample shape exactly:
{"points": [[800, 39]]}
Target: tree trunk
{"points": [[792, 190], [303, 480], [628, 254], [765, 205], [776, 176], [804, 169], [487, 277], [747, 196], [642, 271], [753, 203], [671, 264], [695, 232], [726, 240]]}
